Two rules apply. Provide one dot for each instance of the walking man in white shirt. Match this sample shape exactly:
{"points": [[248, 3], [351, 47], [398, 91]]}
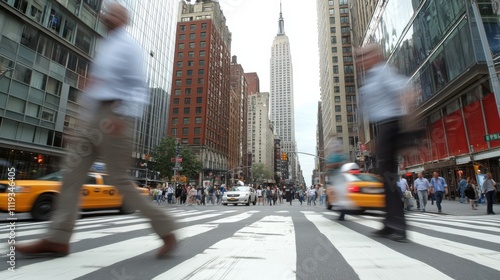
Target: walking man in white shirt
{"points": [[422, 186], [114, 99]]}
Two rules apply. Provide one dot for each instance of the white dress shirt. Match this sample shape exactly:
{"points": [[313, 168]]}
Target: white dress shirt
{"points": [[118, 74]]}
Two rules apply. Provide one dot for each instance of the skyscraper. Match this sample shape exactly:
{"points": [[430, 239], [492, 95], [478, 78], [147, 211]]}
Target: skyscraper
{"points": [[281, 95], [199, 111]]}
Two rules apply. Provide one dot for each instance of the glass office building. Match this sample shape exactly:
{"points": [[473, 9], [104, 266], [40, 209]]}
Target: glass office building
{"points": [[46, 47], [437, 44]]}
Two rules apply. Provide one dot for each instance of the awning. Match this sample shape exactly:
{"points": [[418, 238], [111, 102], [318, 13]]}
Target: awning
{"points": [[415, 169], [463, 159], [487, 155]]}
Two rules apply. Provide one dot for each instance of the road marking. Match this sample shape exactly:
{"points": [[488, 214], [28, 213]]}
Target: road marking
{"points": [[263, 250], [371, 259], [85, 262], [485, 257]]}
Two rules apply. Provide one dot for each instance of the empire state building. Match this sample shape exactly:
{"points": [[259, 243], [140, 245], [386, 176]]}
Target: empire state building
{"points": [[281, 97]]}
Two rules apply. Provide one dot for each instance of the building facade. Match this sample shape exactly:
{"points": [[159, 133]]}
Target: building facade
{"points": [[337, 76], [199, 113], [319, 172], [438, 45], [260, 131], [281, 97], [49, 46]]}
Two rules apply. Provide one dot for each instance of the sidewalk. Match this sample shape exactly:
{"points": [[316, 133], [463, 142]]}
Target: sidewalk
{"points": [[455, 208]]}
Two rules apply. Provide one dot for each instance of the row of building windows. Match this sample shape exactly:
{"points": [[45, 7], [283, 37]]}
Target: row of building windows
{"points": [[187, 110], [190, 63], [178, 73], [189, 82], [192, 27], [192, 36], [348, 69], [349, 108], [187, 100], [187, 91], [192, 45], [191, 54]]}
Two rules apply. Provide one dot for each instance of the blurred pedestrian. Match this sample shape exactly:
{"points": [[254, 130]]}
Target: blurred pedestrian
{"points": [[489, 188], [470, 192], [113, 100], [381, 99], [422, 186]]}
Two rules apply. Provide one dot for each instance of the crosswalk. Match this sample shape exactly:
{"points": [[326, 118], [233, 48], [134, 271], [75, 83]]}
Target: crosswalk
{"points": [[225, 243]]}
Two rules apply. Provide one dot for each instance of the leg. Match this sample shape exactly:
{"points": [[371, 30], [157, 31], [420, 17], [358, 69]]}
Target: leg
{"points": [[386, 153], [439, 199]]}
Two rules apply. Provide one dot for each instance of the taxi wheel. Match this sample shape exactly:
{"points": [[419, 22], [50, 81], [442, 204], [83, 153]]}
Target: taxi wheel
{"points": [[43, 207]]}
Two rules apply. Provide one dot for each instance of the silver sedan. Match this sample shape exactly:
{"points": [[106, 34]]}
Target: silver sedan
{"points": [[240, 194]]}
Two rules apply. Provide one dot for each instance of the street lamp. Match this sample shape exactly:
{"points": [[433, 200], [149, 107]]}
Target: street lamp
{"points": [[4, 72]]}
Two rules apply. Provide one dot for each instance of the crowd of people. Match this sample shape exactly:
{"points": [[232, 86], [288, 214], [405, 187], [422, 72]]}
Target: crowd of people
{"points": [[266, 195]]}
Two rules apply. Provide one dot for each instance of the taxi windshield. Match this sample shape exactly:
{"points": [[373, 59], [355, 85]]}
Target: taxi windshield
{"points": [[363, 177], [56, 176]]}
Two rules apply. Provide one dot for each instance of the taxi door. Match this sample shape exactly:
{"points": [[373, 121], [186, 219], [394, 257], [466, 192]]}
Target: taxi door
{"points": [[109, 194], [91, 193]]}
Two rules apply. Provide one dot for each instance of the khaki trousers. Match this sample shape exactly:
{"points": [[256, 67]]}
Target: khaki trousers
{"points": [[110, 136]]}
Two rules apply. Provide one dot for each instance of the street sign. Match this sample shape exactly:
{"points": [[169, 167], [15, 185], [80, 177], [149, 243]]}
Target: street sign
{"points": [[491, 137], [178, 159]]}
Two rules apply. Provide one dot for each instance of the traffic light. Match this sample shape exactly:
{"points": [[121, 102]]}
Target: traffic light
{"points": [[284, 156], [177, 149]]}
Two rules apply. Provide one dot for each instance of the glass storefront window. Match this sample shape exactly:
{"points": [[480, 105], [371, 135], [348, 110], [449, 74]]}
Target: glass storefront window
{"points": [[439, 72]]}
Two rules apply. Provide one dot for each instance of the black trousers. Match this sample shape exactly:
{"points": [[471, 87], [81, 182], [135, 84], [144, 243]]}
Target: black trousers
{"points": [[387, 148]]}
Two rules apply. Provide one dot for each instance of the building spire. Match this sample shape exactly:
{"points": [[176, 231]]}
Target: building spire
{"points": [[281, 23]]}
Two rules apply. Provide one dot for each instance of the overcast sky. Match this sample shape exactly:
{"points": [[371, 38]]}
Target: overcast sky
{"points": [[254, 24]]}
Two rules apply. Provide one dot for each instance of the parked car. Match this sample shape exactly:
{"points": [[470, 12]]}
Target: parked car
{"points": [[38, 196], [353, 192], [240, 194]]}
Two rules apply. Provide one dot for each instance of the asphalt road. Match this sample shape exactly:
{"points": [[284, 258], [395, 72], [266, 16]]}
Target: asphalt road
{"points": [[265, 242]]}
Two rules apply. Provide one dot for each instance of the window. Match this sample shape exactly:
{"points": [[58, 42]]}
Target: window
{"points": [[342, 2], [178, 73], [175, 111], [192, 27], [190, 54], [336, 89], [337, 99], [346, 39], [335, 69], [54, 22], [189, 72], [348, 59], [185, 131], [332, 20], [199, 100], [336, 79], [203, 44], [199, 90], [348, 69], [201, 72], [38, 80], [190, 63], [330, 3], [191, 45], [181, 46], [344, 20], [73, 94], [69, 30], [177, 92], [338, 118], [180, 64], [197, 120], [338, 108], [201, 81], [176, 100], [347, 50], [186, 121], [187, 110], [333, 40], [350, 89], [182, 37], [83, 40], [202, 53], [60, 54], [331, 11], [349, 108], [173, 131], [201, 63], [203, 35], [350, 119], [203, 26], [192, 36], [196, 141], [22, 74], [48, 115], [197, 130], [180, 55], [198, 110], [333, 30], [334, 49], [335, 59], [189, 81], [344, 11], [339, 129], [175, 121], [187, 100], [345, 30], [349, 79], [187, 91], [178, 82], [183, 28]]}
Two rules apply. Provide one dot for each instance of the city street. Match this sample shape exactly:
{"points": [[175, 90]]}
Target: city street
{"points": [[271, 242]]}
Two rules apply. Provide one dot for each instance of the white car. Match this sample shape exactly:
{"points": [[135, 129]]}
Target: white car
{"points": [[240, 194]]}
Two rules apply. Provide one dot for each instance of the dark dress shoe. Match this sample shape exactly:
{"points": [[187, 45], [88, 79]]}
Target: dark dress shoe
{"points": [[43, 248], [397, 237], [169, 243], [382, 232]]}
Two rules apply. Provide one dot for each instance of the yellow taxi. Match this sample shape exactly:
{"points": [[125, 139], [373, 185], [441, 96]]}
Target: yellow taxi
{"points": [[38, 196], [353, 192]]}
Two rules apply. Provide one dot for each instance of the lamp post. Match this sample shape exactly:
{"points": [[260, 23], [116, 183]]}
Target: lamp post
{"points": [[4, 72]]}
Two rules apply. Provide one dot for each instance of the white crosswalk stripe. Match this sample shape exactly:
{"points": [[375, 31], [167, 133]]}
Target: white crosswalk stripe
{"points": [[259, 238]]}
